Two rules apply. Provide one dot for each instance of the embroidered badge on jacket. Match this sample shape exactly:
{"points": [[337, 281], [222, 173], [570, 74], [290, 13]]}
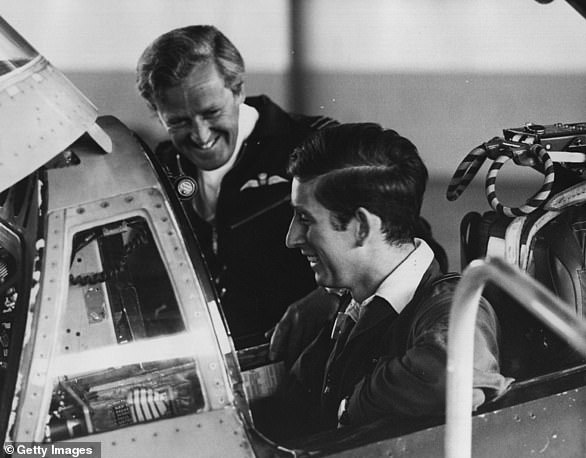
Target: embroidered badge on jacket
{"points": [[263, 179]]}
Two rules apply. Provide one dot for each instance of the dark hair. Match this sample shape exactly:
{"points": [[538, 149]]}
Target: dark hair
{"points": [[171, 58], [364, 165]]}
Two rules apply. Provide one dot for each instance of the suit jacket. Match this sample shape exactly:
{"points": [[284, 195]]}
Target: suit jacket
{"points": [[390, 365]]}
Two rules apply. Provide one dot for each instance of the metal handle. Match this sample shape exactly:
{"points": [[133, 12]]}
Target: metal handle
{"points": [[530, 294]]}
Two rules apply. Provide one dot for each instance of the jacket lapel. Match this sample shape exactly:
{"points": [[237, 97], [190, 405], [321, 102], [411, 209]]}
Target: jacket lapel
{"points": [[377, 311], [364, 333], [380, 310]]}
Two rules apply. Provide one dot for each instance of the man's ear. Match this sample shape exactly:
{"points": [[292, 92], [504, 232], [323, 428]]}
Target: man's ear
{"points": [[367, 225], [241, 94], [363, 227]]}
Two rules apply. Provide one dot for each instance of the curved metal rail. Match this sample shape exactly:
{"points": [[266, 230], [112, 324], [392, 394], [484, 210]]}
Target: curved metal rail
{"points": [[533, 296]]}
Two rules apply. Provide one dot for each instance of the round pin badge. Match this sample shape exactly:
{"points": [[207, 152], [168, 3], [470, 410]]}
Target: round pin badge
{"points": [[186, 187]]}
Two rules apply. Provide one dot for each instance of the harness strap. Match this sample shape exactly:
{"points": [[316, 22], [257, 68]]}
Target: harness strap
{"points": [[513, 239], [532, 203], [527, 247], [574, 195], [466, 171]]}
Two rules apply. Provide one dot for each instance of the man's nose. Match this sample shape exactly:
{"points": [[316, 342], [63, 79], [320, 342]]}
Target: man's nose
{"points": [[200, 132], [295, 235]]}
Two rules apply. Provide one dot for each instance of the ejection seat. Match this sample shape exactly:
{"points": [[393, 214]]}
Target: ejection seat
{"points": [[550, 245]]}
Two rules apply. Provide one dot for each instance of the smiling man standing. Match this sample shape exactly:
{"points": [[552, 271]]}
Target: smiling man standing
{"points": [[357, 192], [227, 156]]}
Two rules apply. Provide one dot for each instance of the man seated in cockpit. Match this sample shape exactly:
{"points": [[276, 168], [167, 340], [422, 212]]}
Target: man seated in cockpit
{"points": [[357, 192], [234, 151]]}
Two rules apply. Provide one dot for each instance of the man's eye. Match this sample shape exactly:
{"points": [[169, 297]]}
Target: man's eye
{"points": [[303, 219], [213, 114], [173, 125]]}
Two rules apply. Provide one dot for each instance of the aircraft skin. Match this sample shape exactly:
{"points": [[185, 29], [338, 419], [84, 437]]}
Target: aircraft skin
{"points": [[103, 188]]}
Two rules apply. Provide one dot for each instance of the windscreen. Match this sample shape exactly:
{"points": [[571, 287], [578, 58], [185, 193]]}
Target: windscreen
{"points": [[41, 112], [14, 50]]}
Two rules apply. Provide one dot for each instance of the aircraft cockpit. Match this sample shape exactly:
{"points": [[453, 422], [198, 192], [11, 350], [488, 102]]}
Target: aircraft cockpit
{"points": [[107, 321]]}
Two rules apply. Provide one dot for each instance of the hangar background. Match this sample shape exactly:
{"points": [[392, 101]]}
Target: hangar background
{"points": [[447, 74]]}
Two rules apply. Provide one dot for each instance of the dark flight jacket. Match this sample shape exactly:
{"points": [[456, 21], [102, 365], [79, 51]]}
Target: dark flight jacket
{"points": [[391, 365], [256, 275]]}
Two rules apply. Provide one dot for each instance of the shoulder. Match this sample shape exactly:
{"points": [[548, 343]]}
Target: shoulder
{"points": [[273, 118], [432, 300], [444, 285], [438, 296]]}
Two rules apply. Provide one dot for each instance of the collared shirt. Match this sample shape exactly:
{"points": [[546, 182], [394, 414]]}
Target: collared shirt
{"points": [[400, 285]]}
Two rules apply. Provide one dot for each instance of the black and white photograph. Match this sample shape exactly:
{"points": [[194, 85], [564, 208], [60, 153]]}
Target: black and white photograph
{"points": [[293, 228]]}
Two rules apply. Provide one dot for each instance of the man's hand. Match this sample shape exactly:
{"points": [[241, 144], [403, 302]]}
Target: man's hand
{"points": [[300, 324]]}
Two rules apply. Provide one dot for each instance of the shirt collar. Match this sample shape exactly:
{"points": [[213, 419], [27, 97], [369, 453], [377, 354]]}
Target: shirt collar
{"points": [[399, 287], [247, 118]]}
